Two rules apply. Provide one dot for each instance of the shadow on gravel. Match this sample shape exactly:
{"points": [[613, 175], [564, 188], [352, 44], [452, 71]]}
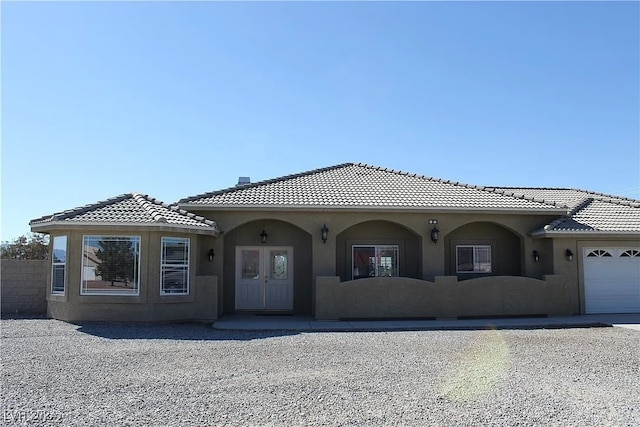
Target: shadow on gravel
{"points": [[23, 316], [178, 332]]}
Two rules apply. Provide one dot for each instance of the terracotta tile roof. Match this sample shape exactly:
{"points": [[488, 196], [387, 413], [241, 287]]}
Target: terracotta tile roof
{"points": [[590, 212], [130, 208], [353, 185]]}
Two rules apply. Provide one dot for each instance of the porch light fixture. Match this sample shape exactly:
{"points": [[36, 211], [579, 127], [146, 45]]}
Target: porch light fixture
{"points": [[263, 236], [569, 254], [324, 233], [435, 233], [536, 256], [211, 254]]}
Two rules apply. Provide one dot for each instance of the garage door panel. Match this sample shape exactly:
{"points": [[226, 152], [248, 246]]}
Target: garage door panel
{"points": [[624, 291], [611, 283], [610, 304]]}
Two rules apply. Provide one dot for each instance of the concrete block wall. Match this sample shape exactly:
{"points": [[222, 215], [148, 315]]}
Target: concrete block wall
{"points": [[24, 286]]}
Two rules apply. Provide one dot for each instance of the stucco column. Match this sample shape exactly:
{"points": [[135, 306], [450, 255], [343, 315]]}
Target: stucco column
{"points": [[324, 256], [432, 258]]}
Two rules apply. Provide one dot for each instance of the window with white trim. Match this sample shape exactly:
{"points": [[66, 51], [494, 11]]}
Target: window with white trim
{"points": [[473, 259], [110, 265], [174, 266], [374, 261], [58, 264]]}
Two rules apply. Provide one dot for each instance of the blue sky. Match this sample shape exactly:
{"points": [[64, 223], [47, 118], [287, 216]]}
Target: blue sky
{"points": [[175, 99]]}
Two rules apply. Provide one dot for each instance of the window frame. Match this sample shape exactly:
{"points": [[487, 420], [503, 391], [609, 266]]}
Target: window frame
{"points": [[55, 264], [137, 267], [377, 249], [184, 264], [474, 262]]}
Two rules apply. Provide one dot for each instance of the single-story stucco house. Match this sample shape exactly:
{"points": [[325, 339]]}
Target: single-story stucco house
{"points": [[350, 241]]}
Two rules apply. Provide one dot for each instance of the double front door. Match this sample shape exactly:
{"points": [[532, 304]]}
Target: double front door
{"points": [[264, 278]]}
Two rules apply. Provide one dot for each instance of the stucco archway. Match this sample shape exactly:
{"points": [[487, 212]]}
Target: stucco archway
{"points": [[280, 233], [505, 248], [380, 232]]}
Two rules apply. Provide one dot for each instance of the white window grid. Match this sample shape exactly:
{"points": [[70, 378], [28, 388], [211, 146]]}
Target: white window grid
{"points": [[174, 267]]}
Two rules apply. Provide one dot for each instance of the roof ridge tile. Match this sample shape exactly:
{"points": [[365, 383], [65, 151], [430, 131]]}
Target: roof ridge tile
{"points": [[158, 211], [86, 208], [553, 224], [201, 198], [611, 198], [148, 206]]}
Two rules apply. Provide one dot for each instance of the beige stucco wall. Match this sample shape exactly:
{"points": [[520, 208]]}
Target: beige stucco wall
{"points": [[445, 298], [212, 282], [325, 257], [149, 305], [24, 286], [415, 222], [204, 308]]}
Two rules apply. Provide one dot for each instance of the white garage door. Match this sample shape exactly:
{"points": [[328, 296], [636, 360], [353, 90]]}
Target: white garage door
{"points": [[612, 280]]}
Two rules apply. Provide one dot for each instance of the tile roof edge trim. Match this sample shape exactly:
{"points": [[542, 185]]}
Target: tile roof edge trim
{"points": [[202, 229], [149, 204], [82, 209], [582, 233], [549, 210]]}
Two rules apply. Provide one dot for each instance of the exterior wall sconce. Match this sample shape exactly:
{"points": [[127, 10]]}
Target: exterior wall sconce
{"points": [[211, 254], [263, 236], [324, 233], [435, 233], [569, 254], [536, 256]]}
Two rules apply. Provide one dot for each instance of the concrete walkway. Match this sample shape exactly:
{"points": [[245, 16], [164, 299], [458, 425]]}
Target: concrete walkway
{"points": [[252, 322]]}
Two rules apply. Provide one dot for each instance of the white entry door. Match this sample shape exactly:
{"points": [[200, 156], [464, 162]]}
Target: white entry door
{"points": [[264, 278]]}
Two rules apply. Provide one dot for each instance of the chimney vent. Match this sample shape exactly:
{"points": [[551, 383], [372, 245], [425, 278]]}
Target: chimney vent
{"points": [[243, 180]]}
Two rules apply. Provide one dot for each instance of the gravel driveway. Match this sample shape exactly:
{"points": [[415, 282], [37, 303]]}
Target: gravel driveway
{"points": [[55, 373]]}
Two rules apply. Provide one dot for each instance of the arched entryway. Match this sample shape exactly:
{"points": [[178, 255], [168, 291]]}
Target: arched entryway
{"points": [[268, 271], [481, 249], [378, 248]]}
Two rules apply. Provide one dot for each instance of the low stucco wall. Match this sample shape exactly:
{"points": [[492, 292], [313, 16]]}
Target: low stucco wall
{"points": [[204, 307], [24, 286], [401, 297]]}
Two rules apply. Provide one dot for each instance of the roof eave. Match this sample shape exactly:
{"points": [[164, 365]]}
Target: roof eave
{"points": [[161, 226], [541, 234], [328, 208]]}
